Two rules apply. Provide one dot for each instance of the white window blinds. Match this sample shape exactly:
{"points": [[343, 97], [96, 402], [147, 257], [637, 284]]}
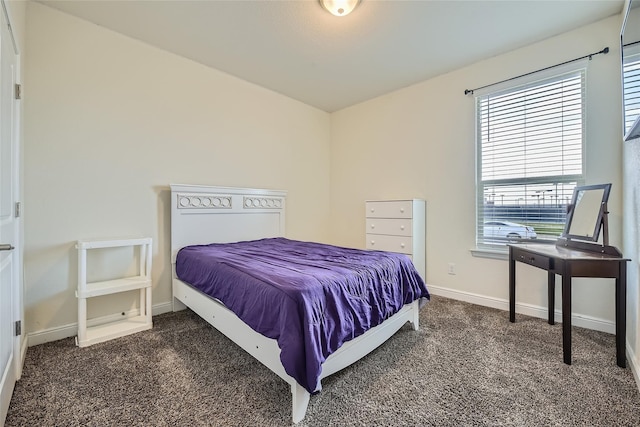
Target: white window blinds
{"points": [[631, 77], [529, 156]]}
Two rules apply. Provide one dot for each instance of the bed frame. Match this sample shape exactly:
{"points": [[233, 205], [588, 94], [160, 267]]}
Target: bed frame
{"points": [[202, 215]]}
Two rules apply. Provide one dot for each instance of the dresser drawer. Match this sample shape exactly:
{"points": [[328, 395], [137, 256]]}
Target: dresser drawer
{"points": [[536, 260], [380, 242], [390, 209], [390, 226]]}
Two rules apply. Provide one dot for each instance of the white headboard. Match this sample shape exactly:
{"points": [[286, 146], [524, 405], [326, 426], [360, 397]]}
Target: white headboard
{"points": [[202, 214]]}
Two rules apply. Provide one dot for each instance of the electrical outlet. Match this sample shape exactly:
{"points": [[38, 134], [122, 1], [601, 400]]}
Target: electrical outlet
{"points": [[452, 268]]}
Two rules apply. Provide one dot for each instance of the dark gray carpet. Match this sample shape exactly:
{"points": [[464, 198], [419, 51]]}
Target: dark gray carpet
{"points": [[467, 366]]}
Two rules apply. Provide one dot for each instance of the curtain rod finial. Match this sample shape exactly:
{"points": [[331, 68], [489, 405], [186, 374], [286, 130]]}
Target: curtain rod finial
{"points": [[468, 91]]}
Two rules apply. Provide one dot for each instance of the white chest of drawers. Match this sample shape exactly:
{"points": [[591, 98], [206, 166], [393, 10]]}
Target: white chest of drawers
{"points": [[398, 226]]}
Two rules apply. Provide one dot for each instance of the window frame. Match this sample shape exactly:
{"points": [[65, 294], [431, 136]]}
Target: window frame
{"points": [[632, 56], [498, 249]]}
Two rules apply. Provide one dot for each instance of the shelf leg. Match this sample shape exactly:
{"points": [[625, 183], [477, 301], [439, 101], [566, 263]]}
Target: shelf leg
{"points": [[82, 302], [148, 304], [143, 302], [82, 321]]}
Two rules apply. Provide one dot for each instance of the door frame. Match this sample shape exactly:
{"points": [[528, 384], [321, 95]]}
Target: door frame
{"points": [[20, 349], [19, 345]]}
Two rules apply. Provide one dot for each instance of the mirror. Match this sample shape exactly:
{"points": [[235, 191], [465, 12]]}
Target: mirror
{"points": [[587, 210], [630, 48]]}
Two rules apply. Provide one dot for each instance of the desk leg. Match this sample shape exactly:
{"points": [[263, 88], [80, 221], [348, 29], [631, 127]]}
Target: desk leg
{"points": [[512, 287], [552, 297], [566, 313], [621, 314]]}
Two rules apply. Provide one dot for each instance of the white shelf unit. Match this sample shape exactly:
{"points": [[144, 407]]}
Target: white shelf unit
{"points": [[88, 335]]}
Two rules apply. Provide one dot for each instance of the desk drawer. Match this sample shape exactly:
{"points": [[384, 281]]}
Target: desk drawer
{"points": [[536, 260]]}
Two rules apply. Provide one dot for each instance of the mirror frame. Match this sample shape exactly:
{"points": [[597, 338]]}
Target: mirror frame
{"points": [[600, 216], [634, 131]]}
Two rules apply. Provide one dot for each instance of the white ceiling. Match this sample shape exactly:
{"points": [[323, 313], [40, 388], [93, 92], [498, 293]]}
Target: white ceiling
{"points": [[296, 48]]}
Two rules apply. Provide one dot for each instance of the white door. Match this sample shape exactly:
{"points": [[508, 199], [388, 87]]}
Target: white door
{"points": [[10, 294]]}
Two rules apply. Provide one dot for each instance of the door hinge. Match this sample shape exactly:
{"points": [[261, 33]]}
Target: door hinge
{"points": [[18, 211], [18, 328], [18, 91]]}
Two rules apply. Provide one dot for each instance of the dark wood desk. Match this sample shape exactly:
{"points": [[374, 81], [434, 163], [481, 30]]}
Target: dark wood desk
{"points": [[568, 263]]}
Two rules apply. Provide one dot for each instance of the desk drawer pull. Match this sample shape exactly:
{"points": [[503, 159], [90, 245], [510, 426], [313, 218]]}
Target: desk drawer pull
{"points": [[536, 261]]}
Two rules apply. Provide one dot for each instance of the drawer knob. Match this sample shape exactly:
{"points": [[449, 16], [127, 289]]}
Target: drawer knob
{"points": [[402, 210], [402, 245], [373, 242], [373, 210], [402, 227], [373, 226]]}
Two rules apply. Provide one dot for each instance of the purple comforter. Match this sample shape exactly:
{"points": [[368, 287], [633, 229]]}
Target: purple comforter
{"points": [[310, 297]]}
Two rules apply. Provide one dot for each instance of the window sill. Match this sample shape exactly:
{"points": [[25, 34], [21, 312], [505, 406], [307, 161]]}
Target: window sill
{"points": [[502, 252], [491, 253]]}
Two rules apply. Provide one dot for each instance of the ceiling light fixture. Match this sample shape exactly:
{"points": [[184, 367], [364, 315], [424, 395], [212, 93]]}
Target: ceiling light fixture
{"points": [[339, 7]]}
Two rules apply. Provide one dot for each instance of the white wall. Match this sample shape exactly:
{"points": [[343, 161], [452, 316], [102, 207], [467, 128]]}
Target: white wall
{"points": [[111, 122], [632, 242], [420, 142], [631, 223]]}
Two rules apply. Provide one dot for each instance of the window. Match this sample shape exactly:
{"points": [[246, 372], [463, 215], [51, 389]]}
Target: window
{"points": [[529, 158], [631, 76]]}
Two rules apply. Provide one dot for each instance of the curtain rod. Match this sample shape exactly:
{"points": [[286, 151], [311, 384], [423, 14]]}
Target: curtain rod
{"points": [[630, 44], [605, 51]]}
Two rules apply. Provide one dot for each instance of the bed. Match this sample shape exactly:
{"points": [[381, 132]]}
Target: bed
{"points": [[228, 226]]}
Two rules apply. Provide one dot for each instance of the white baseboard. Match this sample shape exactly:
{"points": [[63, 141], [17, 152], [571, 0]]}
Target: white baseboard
{"points": [[157, 309], [23, 354], [71, 330], [632, 363], [579, 320]]}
